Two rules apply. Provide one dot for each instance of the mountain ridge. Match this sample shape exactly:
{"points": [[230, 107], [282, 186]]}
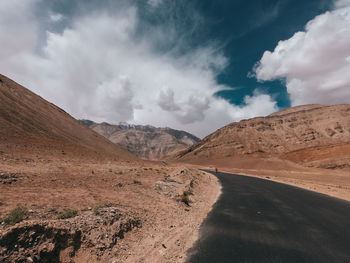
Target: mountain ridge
{"points": [[297, 129], [145, 141], [32, 126]]}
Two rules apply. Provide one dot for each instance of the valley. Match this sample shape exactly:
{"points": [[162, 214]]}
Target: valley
{"points": [[69, 194]]}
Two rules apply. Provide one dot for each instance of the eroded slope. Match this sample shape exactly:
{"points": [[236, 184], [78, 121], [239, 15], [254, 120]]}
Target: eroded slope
{"points": [[29, 125], [311, 129]]}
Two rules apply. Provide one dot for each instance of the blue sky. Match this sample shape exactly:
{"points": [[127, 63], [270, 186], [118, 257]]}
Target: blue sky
{"points": [[250, 29], [192, 65]]}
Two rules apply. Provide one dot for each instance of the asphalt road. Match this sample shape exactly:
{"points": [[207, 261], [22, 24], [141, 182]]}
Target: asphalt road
{"points": [[257, 220]]}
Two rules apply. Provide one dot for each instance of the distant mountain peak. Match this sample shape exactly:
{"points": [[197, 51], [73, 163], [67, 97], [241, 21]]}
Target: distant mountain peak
{"points": [[145, 141]]}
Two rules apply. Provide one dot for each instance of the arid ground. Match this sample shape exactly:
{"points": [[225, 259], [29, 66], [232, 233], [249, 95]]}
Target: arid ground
{"points": [[126, 212]]}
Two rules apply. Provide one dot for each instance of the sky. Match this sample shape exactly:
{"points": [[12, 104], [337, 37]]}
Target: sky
{"points": [[191, 65]]}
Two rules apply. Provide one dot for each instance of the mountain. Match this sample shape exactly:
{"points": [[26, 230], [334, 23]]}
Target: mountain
{"points": [[311, 135], [33, 127], [146, 142]]}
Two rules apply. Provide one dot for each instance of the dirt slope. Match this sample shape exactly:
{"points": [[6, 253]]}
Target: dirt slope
{"points": [[305, 134], [146, 142], [29, 126]]}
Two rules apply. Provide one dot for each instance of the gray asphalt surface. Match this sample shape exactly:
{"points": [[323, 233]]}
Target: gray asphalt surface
{"points": [[257, 220]]}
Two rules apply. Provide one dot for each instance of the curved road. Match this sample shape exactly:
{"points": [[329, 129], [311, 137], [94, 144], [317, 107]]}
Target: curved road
{"points": [[257, 220]]}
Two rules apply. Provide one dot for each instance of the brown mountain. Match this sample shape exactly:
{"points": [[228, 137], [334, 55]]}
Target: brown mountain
{"points": [[146, 142], [312, 135], [31, 126]]}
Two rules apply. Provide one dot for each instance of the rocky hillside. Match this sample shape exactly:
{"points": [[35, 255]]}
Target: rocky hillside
{"points": [[32, 127], [314, 135], [146, 142]]}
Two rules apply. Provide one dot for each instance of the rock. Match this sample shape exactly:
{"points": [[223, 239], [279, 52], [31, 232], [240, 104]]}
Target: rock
{"points": [[167, 188]]}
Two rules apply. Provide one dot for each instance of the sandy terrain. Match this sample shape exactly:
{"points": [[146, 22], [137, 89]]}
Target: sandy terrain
{"points": [[160, 228]]}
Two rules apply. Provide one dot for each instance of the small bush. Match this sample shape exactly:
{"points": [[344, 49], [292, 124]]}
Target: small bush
{"points": [[97, 209], [185, 198], [68, 213], [15, 216], [137, 182]]}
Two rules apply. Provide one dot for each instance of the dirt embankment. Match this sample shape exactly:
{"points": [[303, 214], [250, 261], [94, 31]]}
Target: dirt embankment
{"points": [[102, 212]]}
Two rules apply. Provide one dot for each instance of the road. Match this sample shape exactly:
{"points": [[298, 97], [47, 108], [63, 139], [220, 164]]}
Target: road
{"points": [[258, 220]]}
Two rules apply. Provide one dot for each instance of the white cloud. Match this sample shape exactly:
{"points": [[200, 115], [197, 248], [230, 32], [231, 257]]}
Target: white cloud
{"points": [[314, 63], [96, 69]]}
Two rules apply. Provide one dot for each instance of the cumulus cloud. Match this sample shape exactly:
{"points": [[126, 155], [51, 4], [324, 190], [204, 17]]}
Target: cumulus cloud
{"points": [[101, 69], [314, 63]]}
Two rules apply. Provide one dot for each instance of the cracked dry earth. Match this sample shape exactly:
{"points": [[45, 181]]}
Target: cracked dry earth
{"points": [[125, 212]]}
